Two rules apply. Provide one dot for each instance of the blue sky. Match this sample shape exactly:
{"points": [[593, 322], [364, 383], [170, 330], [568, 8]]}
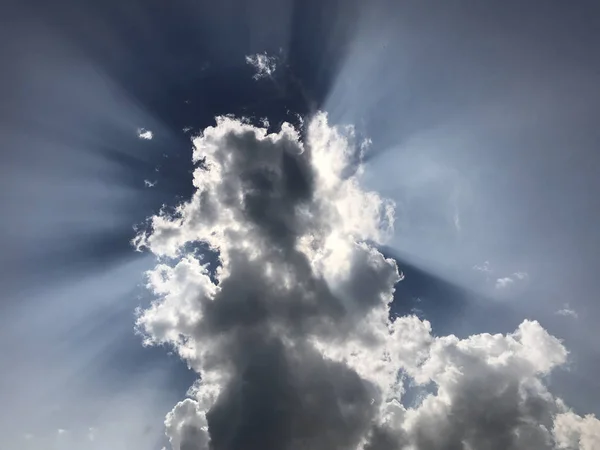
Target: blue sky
{"points": [[481, 122]]}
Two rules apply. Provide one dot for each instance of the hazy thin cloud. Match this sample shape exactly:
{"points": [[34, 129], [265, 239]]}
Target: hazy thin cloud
{"points": [[567, 311]]}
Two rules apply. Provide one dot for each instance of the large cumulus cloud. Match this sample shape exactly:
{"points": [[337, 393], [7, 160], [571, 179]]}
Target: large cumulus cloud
{"points": [[285, 317]]}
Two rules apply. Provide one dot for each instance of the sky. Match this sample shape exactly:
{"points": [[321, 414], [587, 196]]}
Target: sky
{"points": [[285, 225]]}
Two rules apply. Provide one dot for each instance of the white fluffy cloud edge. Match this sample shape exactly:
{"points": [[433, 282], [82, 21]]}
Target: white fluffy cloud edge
{"points": [[264, 65], [290, 332]]}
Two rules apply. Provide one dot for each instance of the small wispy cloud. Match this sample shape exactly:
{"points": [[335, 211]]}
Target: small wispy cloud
{"points": [[145, 134], [501, 283], [456, 219], [485, 267], [566, 311], [149, 183], [264, 65], [506, 282]]}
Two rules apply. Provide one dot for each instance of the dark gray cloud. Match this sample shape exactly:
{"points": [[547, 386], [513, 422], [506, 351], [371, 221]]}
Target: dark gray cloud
{"points": [[283, 396]]}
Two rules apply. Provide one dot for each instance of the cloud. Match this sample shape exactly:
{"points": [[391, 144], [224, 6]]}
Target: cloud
{"points": [[566, 311], [484, 268], [286, 318], [456, 219], [149, 183], [147, 135], [503, 283], [264, 65], [507, 282], [576, 432], [489, 391]]}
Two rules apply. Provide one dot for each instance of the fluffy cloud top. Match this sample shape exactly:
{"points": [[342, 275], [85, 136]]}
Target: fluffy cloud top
{"points": [[290, 330]]}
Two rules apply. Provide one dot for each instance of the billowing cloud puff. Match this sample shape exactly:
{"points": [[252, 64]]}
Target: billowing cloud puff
{"points": [[572, 431], [286, 316], [147, 135]]}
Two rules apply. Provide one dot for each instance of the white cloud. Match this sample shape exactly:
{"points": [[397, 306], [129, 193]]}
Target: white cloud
{"points": [[264, 65], [145, 134], [149, 183], [521, 275], [291, 335], [503, 283], [456, 219], [507, 282], [566, 311], [575, 432], [485, 267]]}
